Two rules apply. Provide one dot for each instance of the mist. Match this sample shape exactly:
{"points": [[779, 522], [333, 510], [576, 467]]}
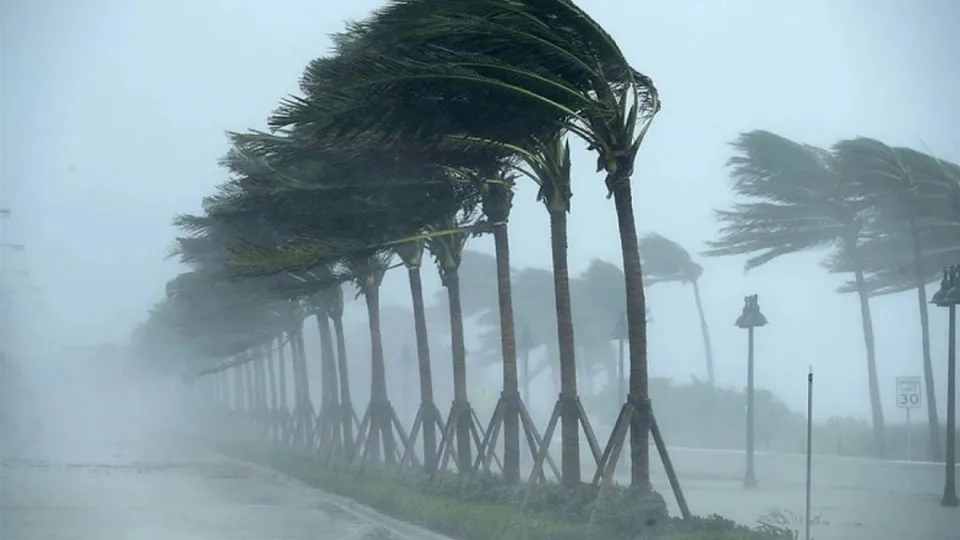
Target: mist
{"points": [[114, 116]]}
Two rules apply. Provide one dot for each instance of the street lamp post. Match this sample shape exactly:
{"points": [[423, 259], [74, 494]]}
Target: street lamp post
{"points": [[750, 318], [948, 296]]}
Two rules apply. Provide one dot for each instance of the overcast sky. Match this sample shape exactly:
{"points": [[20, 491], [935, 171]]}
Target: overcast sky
{"points": [[114, 115]]}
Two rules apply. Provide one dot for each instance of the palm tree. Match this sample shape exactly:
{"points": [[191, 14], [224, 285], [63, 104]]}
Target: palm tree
{"points": [[379, 419], [411, 253], [796, 200], [479, 269], [333, 300], [329, 418], [911, 192], [447, 251], [416, 73], [667, 261], [550, 168], [293, 317]]}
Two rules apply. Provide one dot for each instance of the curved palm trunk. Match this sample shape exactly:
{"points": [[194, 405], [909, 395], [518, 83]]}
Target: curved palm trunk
{"points": [[934, 450], [876, 409], [638, 392], [346, 407], [380, 429], [569, 415], [452, 282], [426, 375], [328, 377], [705, 332], [508, 345]]}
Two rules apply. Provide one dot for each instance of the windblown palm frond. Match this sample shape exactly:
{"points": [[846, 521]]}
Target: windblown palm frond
{"points": [[499, 71], [447, 249], [915, 228], [901, 182], [666, 260], [795, 201], [367, 272], [549, 166]]}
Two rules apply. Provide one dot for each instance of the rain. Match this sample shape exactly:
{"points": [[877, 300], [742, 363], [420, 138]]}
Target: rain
{"points": [[479, 270]]}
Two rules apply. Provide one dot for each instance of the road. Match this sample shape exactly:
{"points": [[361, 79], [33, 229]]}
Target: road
{"points": [[116, 464], [128, 490], [852, 498], [117, 467]]}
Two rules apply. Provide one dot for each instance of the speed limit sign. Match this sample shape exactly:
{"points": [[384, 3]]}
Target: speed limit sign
{"points": [[908, 392]]}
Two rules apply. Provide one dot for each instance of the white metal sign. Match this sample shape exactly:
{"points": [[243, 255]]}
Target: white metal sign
{"points": [[908, 392]]}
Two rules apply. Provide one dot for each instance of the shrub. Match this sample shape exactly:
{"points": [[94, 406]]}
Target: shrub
{"points": [[485, 508]]}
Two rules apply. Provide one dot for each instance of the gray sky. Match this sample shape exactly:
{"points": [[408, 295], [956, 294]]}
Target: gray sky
{"points": [[114, 114]]}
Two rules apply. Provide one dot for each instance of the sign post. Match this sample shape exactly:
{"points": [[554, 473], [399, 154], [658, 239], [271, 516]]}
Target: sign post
{"points": [[909, 392]]}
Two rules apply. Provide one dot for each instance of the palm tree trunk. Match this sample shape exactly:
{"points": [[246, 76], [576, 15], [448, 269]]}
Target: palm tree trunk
{"points": [[876, 408], [378, 379], [427, 404], [569, 427], [272, 374], [328, 377], [295, 374], [304, 370], [705, 332], [583, 375], [306, 406], [297, 382], [452, 282], [282, 373], [934, 449], [508, 344], [621, 387], [346, 406], [261, 378], [636, 330]]}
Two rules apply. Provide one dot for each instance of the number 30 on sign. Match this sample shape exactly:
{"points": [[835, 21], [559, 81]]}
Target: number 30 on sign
{"points": [[908, 392]]}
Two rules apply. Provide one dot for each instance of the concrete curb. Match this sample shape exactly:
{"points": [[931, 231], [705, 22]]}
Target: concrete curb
{"points": [[395, 526]]}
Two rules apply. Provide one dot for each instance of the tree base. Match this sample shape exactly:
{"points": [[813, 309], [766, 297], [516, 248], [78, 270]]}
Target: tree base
{"points": [[461, 413], [637, 408], [486, 451], [426, 414], [571, 405], [303, 425], [380, 421], [950, 498], [327, 431]]}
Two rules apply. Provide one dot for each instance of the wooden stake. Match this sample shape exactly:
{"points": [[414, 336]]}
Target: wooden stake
{"points": [[543, 454], [611, 454], [486, 453], [427, 412]]}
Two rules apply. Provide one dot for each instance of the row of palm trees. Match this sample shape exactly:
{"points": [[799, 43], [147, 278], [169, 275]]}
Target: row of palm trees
{"points": [[890, 216], [411, 137]]}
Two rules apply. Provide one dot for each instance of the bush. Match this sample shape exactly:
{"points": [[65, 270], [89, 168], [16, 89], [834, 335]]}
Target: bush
{"points": [[488, 509]]}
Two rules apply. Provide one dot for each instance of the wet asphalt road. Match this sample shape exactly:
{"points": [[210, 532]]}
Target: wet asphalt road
{"points": [[183, 495], [121, 465]]}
